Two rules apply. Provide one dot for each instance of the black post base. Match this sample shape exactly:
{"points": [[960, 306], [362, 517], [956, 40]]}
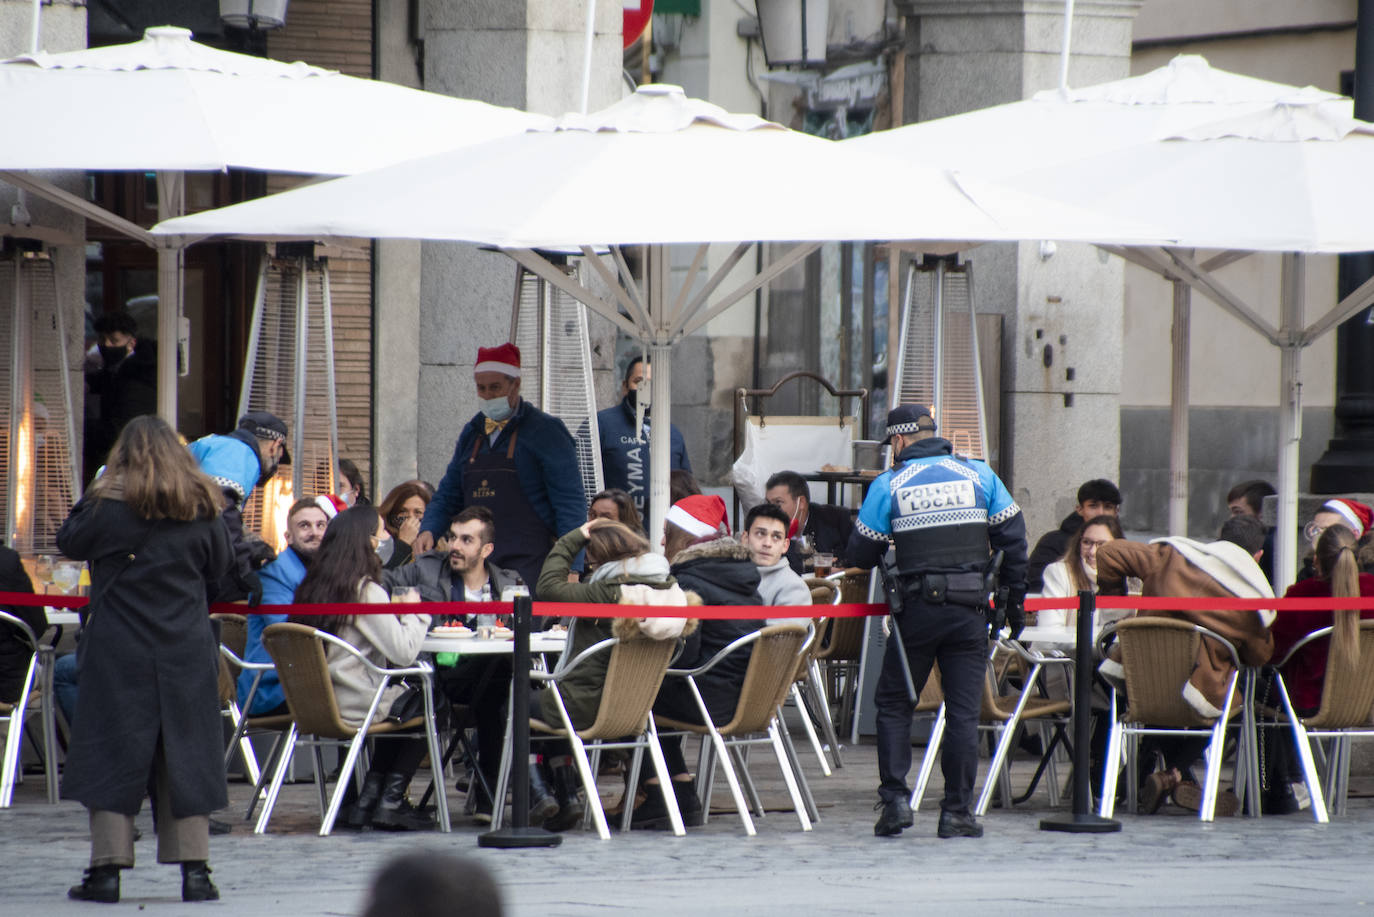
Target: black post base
{"points": [[510, 838], [1081, 824]]}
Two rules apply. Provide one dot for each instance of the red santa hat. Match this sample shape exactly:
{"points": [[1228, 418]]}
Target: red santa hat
{"points": [[699, 515], [1356, 514], [330, 505], [504, 359]]}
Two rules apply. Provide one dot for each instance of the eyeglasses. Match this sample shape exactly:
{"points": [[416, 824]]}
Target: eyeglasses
{"points": [[1094, 544]]}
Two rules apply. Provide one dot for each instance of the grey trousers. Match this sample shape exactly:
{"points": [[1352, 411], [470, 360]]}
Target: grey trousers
{"points": [[179, 840]]}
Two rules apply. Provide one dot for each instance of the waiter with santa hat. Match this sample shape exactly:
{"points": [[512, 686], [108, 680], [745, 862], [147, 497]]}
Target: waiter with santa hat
{"points": [[518, 462]]}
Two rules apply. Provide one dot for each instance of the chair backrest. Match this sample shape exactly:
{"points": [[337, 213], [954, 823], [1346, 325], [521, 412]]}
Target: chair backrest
{"points": [[846, 641], [634, 674], [25, 634], [1159, 655], [233, 633], [932, 692], [823, 591], [299, 654], [1347, 694], [772, 665]]}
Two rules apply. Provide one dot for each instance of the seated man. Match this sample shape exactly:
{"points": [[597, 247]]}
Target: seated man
{"points": [[1178, 566], [828, 526], [1098, 497], [765, 535], [1247, 499], [465, 573], [1352, 514], [305, 525]]}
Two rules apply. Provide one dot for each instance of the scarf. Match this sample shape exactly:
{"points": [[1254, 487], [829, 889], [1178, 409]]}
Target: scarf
{"points": [[649, 567]]}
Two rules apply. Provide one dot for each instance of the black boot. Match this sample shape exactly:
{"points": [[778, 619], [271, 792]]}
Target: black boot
{"points": [[99, 883], [394, 811], [359, 815], [896, 816], [567, 790], [958, 824], [688, 803], [543, 806], [195, 882]]}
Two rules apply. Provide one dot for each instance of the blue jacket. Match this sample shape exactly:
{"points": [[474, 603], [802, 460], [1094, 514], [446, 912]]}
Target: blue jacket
{"points": [[1006, 525], [545, 462], [625, 460], [232, 461], [279, 581]]}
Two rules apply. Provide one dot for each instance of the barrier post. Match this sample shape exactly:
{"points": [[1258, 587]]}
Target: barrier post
{"points": [[519, 833], [1083, 821]]}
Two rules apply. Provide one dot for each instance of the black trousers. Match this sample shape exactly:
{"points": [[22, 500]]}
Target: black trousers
{"points": [[957, 638], [481, 683]]}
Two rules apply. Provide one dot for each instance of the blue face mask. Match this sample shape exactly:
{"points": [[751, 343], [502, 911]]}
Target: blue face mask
{"points": [[497, 408]]}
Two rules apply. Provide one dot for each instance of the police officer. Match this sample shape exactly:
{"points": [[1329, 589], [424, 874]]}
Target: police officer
{"points": [[945, 515]]}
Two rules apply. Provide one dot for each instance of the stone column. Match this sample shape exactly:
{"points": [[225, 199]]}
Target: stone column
{"points": [[525, 54], [1062, 344]]}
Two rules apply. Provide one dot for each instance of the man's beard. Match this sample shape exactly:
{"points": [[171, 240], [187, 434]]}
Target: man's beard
{"points": [[455, 560]]}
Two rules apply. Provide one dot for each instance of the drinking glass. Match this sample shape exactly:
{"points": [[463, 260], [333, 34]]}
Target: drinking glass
{"points": [[825, 564], [66, 575]]}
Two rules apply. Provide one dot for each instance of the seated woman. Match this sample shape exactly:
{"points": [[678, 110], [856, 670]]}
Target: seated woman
{"points": [[707, 561], [1077, 570], [624, 570], [615, 504], [402, 511], [346, 569], [1338, 576]]}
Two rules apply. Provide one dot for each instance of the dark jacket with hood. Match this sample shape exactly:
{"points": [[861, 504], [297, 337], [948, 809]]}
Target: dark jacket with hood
{"points": [[14, 651], [1048, 549], [722, 573]]}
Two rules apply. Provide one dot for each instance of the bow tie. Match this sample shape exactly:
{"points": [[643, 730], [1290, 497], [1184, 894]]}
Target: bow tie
{"points": [[494, 425]]}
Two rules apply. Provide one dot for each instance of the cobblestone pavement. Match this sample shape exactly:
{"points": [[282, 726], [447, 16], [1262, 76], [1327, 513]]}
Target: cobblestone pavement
{"points": [[1165, 862]]}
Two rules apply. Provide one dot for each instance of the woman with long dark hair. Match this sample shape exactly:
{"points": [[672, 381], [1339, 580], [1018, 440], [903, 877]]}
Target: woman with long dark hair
{"points": [[346, 568], [147, 704]]}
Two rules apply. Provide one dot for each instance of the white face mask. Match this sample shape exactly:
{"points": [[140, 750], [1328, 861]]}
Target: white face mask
{"points": [[384, 548], [497, 408]]}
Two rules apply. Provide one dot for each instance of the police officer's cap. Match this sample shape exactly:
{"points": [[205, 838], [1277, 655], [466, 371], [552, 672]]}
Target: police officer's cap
{"points": [[909, 418]]}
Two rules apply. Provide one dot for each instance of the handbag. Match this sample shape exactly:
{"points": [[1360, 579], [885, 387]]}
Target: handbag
{"points": [[409, 705]]}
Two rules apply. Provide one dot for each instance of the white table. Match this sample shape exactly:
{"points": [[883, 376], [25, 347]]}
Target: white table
{"points": [[472, 646], [63, 617]]}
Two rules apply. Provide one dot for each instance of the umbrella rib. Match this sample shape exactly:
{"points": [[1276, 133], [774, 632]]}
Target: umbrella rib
{"points": [[628, 279], [681, 300], [793, 255], [681, 316], [623, 296], [66, 199], [1347, 308], [538, 264], [1209, 286]]}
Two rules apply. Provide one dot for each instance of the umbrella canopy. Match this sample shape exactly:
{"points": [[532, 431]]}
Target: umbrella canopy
{"points": [[628, 175], [1216, 160], [168, 103]]}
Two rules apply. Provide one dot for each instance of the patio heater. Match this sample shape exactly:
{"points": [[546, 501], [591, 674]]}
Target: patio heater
{"points": [[937, 358], [289, 371], [552, 326], [42, 477], [254, 15], [793, 32]]}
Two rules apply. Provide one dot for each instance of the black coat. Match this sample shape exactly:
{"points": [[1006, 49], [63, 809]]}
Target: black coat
{"points": [[14, 651], [1048, 549], [147, 659], [829, 528], [722, 573]]}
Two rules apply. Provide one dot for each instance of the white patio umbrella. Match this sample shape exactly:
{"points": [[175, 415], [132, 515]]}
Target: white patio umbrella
{"points": [[625, 176], [1221, 162], [170, 105]]}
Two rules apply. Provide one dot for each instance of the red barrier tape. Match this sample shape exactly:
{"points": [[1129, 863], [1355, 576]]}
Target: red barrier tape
{"points": [[724, 612]]}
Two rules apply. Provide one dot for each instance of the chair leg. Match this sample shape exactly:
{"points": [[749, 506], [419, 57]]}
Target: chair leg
{"points": [[49, 714], [1215, 750], [937, 734], [1051, 765], [751, 792], [818, 694], [350, 761], [665, 781], [498, 792], [1304, 746], [811, 811], [788, 777], [997, 767], [1343, 775], [1132, 772], [627, 807], [810, 729], [265, 776], [317, 753], [706, 776], [584, 769], [1111, 765], [283, 762], [726, 764]]}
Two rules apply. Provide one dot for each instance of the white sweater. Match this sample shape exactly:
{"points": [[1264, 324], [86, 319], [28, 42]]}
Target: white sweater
{"points": [[387, 641]]}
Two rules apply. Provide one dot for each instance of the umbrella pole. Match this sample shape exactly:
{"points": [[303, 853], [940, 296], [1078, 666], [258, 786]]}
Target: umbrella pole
{"points": [[171, 261], [1290, 417], [1178, 409], [660, 392]]}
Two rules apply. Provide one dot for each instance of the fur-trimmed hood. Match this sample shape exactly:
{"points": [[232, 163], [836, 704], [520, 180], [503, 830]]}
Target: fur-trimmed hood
{"points": [[723, 547], [720, 571], [630, 628]]}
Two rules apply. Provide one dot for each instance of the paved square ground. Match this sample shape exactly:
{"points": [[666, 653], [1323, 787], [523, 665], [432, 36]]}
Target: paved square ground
{"points": [[1168, 862]]}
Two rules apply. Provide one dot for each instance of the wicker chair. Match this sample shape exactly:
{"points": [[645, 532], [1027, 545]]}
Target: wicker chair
{"points": [[634, 673], [233, 641], [772, 667], [840, 652], [36, 690], [1001, 714], [1158, 656], [299, 654], [1347, 697], [808, 688]]}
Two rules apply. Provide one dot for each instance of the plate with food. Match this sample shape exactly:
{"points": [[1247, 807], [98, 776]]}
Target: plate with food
{"points": [[451, 630]]}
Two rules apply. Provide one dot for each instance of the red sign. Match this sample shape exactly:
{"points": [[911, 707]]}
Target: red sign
{"points": [[637, 13]]}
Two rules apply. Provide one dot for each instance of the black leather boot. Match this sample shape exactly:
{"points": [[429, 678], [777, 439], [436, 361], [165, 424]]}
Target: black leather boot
{"points": [[567, 790], [896, 815], [359, 815], [543, 806], [688, 804], [99, 883], [958, 824], [195, 882], [394, 811]]}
